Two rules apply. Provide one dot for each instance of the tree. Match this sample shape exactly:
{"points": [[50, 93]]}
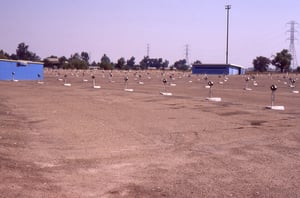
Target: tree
{"points": [[75, 56], [181, 65], [197, 62], [4, 55], [94, 63], [77, 64], [261, 63], [120, 64], [282, 60], [85, 56], [62, 60], [23, 53], [105, 63], [13, 57], [165, 64], [130, 63], [74, 62], [34, 57], [158, 63], [144, 63], [51, 62]]}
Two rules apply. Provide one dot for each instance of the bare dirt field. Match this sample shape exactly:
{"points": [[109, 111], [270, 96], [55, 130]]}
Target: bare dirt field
{"points": [[59, 141]]}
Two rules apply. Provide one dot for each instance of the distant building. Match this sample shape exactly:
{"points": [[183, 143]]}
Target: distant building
{"points": [[52, 62], [152, 68], [21, 70], [217, 69], [94, 67]]}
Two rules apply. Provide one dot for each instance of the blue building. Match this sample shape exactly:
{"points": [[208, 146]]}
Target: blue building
{"points": [[218, 69], [21, 70]]}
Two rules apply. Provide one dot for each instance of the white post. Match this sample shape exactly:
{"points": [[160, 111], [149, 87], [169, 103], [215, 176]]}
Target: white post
{"points": [[13, 76], [272, 98]]}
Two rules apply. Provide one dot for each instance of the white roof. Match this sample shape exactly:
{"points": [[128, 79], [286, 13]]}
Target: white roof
{"points": [[23, 61]]}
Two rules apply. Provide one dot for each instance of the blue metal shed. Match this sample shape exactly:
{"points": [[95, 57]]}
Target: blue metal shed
{"points": [[217, 69], [21, 70]]}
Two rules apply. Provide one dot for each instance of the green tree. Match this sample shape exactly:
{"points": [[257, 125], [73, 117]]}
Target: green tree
{"points": [[105, 63], [23, 53], [181, 65], [62, 60], [4, 55], [85, 56], [165, 64], [74, 62], [77, 64], [158, 63], [94, 63], [13, 57], [144, 63], [130, 63], [75, 56], [120, 63], [197, 62], [51, 62], [282, 60], [261, 63]]}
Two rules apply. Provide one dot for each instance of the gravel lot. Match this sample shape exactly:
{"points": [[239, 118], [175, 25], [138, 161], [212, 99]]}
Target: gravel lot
{"points": [[77, 141]]}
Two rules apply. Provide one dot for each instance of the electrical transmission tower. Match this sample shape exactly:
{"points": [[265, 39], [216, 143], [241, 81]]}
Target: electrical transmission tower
{"points": [[187, 54], [292, 39]]}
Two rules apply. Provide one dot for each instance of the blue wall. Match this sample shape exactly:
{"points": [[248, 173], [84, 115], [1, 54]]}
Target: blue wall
{"points": [[233, 71], [216, 69], [23, 70], [209, 70]]}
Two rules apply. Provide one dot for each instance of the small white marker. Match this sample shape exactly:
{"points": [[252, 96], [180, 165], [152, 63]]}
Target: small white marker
{"points": [[214, 99], [276, 107], [129, 90], [166, 93]]}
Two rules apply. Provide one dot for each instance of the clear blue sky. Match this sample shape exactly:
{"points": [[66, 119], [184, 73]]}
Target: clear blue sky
{"points": [[123, 28]]}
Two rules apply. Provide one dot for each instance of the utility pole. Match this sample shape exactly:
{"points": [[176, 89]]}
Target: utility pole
{"points": [[148, 50], [292, 48], [187, 54], [227, 7]]}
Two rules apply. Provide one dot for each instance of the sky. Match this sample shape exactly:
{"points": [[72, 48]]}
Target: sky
{"points": [[124, 28]]}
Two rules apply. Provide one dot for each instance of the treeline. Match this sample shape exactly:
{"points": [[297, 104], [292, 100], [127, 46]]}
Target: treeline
{"points": [[282, 62], [82, 61], [22, 53]]}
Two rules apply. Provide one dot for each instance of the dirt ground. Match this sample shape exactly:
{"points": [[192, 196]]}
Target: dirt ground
{"points": [[77, 141]]}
